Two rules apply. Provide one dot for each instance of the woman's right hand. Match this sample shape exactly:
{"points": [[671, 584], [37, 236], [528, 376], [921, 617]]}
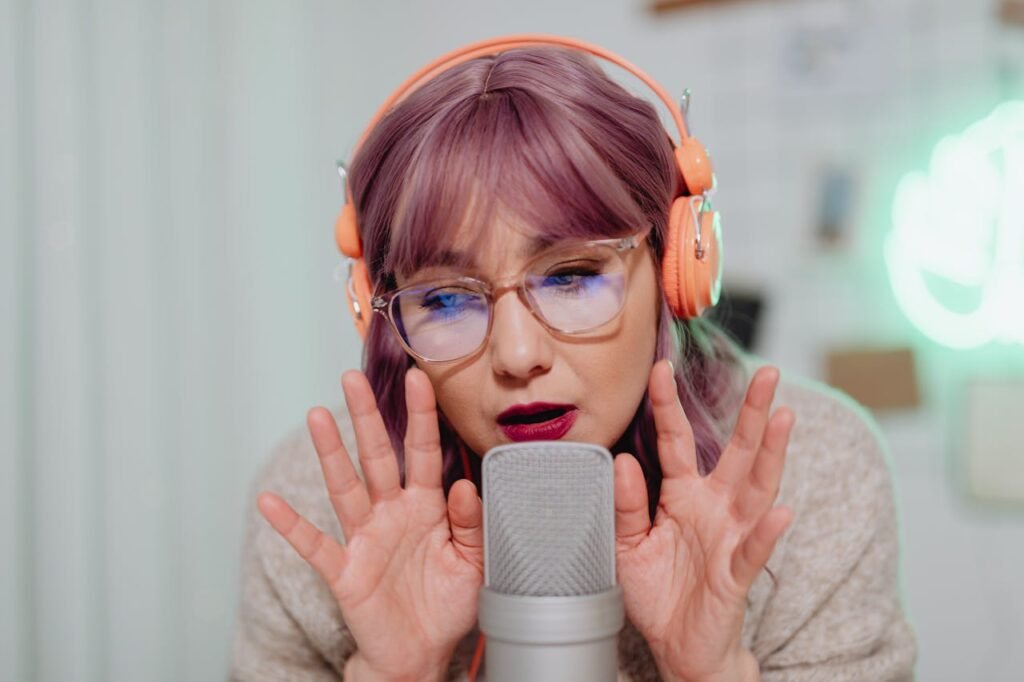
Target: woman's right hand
{"points": [[408, 577]]}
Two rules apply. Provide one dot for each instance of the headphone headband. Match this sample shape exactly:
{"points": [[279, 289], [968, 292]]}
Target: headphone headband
{"points": [[691, 267], [496, 45]]}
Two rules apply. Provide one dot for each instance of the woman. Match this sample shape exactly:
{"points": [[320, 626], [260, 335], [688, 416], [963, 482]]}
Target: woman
{"points": [[526, 228]]}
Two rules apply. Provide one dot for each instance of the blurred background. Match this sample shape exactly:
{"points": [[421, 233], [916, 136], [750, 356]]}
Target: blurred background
{"points": [[169, 311]]}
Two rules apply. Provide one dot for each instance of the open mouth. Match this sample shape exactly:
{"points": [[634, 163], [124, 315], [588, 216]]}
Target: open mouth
{"points": [[537, 421], [533, 417]]}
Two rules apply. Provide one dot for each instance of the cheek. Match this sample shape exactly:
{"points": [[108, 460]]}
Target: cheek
{"points": [[614, 391], [641, 314], [458, 397], [449, 394], [618, 375]]}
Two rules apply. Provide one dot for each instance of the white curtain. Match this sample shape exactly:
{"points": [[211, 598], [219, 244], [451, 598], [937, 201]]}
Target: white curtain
{"points": [[167, 193]]}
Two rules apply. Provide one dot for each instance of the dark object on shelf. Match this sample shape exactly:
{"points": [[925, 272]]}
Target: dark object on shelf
{"points": [[739, 313], [835, 206], [671, 5]]}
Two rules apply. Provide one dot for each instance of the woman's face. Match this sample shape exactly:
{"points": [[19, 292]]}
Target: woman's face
{"points": [[601, 377]]}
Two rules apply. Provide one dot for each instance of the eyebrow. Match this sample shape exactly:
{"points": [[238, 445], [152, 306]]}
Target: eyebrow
{"points": [[464, 259]]}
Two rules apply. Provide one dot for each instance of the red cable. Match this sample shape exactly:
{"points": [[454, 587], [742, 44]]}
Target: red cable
{"points": [[478, 656]]}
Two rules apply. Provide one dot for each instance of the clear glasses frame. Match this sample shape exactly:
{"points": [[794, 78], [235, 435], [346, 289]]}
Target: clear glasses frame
{"points": [[383, 302]]}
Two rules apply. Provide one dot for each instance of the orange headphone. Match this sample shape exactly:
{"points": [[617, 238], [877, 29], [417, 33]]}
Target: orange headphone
{"points": [[691, 270]]}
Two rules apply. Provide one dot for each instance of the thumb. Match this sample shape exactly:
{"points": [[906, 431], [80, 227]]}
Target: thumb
{"points": [[632, 519], [466, 518]]}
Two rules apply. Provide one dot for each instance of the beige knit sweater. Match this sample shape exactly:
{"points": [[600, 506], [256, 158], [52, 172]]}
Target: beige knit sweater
{"points": [[834, 612]]}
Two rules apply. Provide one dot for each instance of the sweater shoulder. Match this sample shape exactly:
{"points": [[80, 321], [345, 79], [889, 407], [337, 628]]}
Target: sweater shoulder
{"points": [[292, 472], [837, 455], [837, 480]]}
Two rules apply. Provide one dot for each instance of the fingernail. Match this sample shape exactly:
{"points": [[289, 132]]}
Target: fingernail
{"points": [[672, 367]]}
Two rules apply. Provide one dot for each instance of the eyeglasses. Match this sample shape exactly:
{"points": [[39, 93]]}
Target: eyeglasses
{"points": [[571, 289]]}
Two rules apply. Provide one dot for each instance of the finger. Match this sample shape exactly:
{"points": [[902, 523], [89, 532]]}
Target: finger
{"points": [[676, 449], [320, 550], [422, 437], [632, 518], [753, 553], [344, 488], [466, 518], [739, 453], [760, 490], [375, 453]]}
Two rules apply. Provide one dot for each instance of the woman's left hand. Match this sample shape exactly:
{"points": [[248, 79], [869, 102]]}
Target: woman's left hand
{"points": [[685, 578]]}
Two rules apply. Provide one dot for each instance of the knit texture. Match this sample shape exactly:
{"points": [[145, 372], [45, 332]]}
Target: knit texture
{"points": [[833, 611]]}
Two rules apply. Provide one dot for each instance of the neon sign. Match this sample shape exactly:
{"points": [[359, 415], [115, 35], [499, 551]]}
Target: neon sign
{"points": [[955, 254]]}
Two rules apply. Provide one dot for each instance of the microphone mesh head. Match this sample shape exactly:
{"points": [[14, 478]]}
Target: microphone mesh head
{"points": [[549, 519]]}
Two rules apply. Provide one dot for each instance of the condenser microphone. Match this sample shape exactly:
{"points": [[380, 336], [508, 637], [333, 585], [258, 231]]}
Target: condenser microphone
{"points": [[550, 607]]}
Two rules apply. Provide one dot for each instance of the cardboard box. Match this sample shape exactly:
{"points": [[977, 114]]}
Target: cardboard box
{"points": [[1012, 12], [878, 378]]}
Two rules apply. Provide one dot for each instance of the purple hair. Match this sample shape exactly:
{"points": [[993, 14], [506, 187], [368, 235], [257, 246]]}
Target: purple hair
{"points": [[593, 160]]}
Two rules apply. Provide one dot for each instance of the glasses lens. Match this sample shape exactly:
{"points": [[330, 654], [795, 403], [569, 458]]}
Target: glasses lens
{"points": [[578, 288], [441, 321]]}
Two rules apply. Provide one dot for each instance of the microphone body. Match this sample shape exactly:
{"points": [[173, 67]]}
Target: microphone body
{"points": [[552, 638], [550, 607]]}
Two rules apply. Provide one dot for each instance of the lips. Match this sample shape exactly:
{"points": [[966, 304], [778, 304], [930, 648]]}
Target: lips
{"points": [[537, 421]]}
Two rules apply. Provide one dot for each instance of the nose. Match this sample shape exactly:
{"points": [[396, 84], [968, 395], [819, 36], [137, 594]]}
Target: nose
{"points": [[520, 346]]}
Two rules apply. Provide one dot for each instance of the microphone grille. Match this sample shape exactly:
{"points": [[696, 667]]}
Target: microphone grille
{"points": [[549, 519]]}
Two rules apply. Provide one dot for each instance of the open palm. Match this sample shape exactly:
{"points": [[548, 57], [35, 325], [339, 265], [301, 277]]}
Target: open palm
{"points": [[408, 576], [686, 576]]}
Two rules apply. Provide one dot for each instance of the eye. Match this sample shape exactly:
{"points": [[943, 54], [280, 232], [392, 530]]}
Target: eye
{"points": [[449, 304], [573, 277], [443, 300]]}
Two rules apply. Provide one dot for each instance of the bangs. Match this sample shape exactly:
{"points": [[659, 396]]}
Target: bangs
{"points": [[507, 155]]}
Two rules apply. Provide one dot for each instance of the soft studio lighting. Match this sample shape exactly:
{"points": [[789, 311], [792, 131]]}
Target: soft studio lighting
{"points": [[955, 254]]}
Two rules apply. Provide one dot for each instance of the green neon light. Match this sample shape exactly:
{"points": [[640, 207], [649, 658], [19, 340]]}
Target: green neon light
{"points": [[955, 255]]}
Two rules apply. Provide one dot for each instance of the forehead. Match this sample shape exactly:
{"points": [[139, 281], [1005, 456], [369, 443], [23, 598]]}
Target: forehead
{"points": [[490, 224]]}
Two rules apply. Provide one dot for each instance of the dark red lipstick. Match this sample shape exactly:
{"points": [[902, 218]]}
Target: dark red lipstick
{"points": [[537, 421]]}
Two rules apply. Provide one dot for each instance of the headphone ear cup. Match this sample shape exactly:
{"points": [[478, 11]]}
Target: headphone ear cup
{"points": [[346, 236], [346, 232], [359, 285], [691, 284]]}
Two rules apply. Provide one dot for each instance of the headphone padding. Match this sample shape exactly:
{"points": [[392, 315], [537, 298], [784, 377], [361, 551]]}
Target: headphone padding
{"points": [[672, 263]]}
